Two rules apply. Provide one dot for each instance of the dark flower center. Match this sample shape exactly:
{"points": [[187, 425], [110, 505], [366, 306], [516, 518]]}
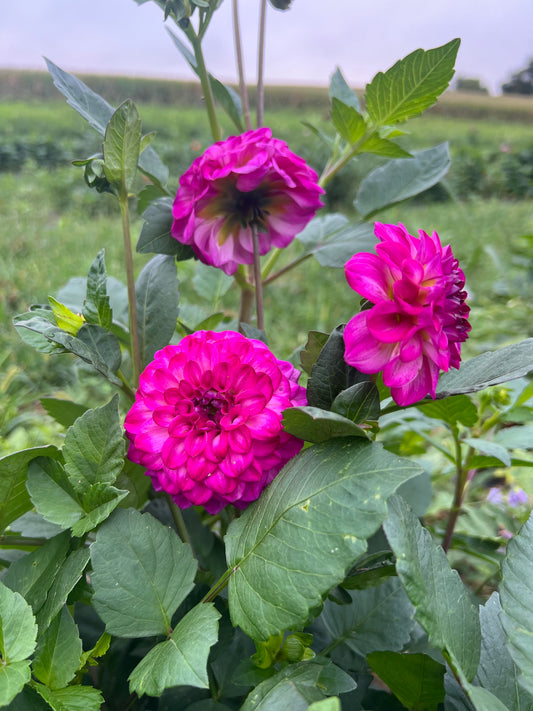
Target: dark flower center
{"points": [[209, 405]]}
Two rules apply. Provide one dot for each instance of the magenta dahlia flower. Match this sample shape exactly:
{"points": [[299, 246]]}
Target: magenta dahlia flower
{"points": [[246, 181], [206, 422], [418, 319]]}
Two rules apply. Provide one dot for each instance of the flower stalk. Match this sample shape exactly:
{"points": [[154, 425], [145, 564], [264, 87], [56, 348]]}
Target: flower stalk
{"points": [[130, 277], [240, 66], [196, 43]]}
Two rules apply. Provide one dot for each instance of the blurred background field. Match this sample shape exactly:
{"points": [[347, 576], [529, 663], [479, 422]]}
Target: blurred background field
{"points": [[52, 225]]}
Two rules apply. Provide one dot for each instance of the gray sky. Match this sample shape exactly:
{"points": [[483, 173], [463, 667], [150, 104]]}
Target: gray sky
{"points": [[304, 44]]}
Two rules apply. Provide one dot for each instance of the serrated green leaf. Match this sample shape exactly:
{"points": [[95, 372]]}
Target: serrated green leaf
{"points": [[52, 493], [333, 239], [358, 403], [12, 679], [339, 89], [103, 343], [412, 85], [66, 578], [99, 650], [401, 179], [98, 502], [296, 542], [316, 340], [297, 686], [157, 298], [18, 630], [71, 698], [94, 447], [379, 618], [181, 660], [443, 605], [97, 112], [33, 574], [490, 449], [415, 679], [58, 653], [141, 573], [49, 338], [451, 410], [65, 412], [383, 147], [348, 121], [14, 498], [315, 425], [497, 671], [517, 602], [490, 368], [155, 237], [121, 147], [96, 307]]}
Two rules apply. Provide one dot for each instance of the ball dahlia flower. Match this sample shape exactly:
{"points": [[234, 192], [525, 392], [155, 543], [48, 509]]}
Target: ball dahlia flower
{"points": [[418, 319], [206, 422], [245, 182]]}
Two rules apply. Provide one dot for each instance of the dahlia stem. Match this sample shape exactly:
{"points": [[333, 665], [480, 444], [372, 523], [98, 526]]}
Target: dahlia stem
{"points": [[206, 84], [458, 497], [179, 522], [286, 269], [246, 308], [261, 64], [128, 258], [258, 281], [219, 585], [240, 66]]}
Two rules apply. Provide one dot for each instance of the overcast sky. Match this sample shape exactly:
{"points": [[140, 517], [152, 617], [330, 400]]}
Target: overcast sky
{"points": [[304, 44]]}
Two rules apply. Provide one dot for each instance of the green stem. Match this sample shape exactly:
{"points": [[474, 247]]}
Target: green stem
{"points": [[460, 487], [275, 254], [285, 269], [219, 585], [257, 281], [196, 42], [179, 522], [125, 387], [21, 541], [333, 167], [240, 66], [128, 258], [261, 64]]}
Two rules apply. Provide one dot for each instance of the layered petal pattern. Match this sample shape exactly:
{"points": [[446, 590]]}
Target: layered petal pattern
{"points": [[246, 182], [418, 317], [206, 422]]}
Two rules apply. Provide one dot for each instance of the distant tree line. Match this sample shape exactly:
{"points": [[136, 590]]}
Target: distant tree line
{"points": [[521, 82]]}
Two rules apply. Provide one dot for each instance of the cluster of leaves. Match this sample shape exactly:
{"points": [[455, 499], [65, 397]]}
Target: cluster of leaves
{"points": [[322, 585]]}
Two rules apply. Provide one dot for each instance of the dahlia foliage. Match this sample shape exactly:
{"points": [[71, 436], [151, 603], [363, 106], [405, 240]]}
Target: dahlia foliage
{"points": [[419, 317], [247, 182], [206, 422]]}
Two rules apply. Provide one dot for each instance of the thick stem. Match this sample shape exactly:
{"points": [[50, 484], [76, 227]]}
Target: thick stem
{"points": [[128, 259], [261, 64], [206, 84], [258, 282], [17, 541], [219, 585], [246, 308], [240, 66]]}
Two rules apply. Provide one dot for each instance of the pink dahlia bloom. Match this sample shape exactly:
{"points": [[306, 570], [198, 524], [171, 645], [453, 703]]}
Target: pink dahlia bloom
{"points": [[246, 181], [206, 422], [419, 317]]}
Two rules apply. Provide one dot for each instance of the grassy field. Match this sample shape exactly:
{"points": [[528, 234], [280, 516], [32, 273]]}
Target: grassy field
{"points": [[53, 225]]}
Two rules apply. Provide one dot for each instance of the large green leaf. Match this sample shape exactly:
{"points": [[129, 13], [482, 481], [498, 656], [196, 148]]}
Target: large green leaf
{"points": [[497, 671], [402, 178], [14, 499], [296, 542], [297, 686], [58, 653], [516, 596], [182, 659], [33, 574], [451, 410], [157, 297], [339, 89], [333, 239], [412, 85], [491, 368], [71, 698], [155, 237], [94, 447], [63, 411], [49, 338], [121, 147], [443, 605], [97, 112], [415, 679], [141, 573], [377, 619], [18, 633], [315, 425], [348, 121]]}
